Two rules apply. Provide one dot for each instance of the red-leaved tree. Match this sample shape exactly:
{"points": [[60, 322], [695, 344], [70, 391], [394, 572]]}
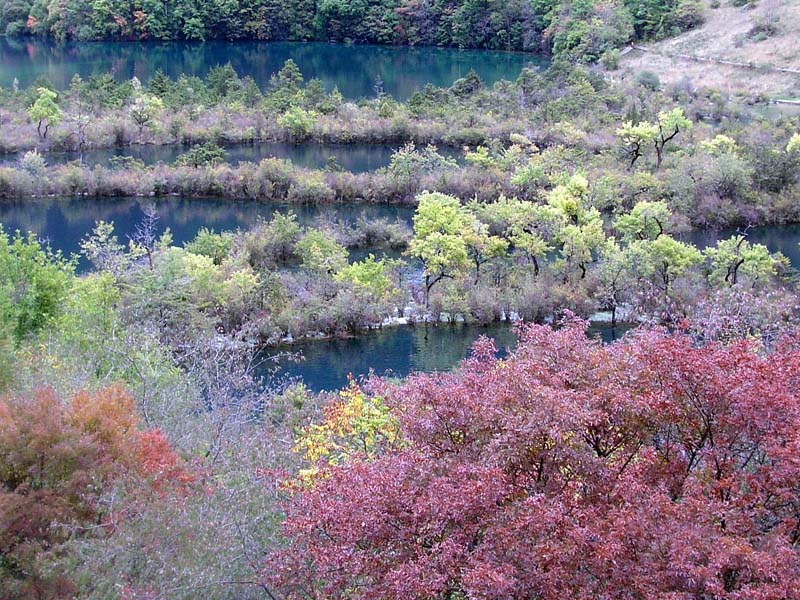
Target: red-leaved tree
{"points": [[57, 459], [649, 468]]}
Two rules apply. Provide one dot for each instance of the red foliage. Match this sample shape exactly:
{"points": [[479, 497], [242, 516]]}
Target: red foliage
{"points": [[649, 468], [57, 460]]}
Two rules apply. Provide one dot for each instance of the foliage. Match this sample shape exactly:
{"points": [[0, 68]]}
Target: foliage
{"points": [[217, 246], [736, 258], [370, 275], [144, 109], [580, 29], [201, 155], [650, 467], [320, 253], [298, 122], [439, 223], [34, 282], [355, 424], [45, 111], [56, 460]]}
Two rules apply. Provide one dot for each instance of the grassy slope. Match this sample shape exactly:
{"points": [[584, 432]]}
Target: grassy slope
{"points": [[727, 35]]}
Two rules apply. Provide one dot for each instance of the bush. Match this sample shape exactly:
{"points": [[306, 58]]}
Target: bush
{"points": [[297, 122], [649, 80]]}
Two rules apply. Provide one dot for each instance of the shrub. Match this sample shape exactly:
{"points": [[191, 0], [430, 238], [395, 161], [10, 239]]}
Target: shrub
{"points": [[649, 80]]}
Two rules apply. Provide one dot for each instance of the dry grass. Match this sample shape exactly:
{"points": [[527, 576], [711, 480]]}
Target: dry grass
{"points": [[766, 34]]}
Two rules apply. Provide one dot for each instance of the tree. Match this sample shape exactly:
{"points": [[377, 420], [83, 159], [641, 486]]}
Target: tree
{"points": [[736, 257], [45, 111], [664, 258], [201, 155], [34, 283], [321, 253], [369, 275], [635, 138], [581, 234], [669, 125], [57, 459], [646, 221], [793, 146], [439, 223], [144, 109], [647, 468]]}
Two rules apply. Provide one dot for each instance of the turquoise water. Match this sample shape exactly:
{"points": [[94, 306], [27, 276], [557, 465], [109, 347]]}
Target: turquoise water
{"points": [[399, 351], [354, 70]]}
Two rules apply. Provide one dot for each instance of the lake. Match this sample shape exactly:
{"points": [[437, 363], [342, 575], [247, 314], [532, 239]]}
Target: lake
{"points": [[63, 222], [353, 69], [399, 351], [356, 158]]}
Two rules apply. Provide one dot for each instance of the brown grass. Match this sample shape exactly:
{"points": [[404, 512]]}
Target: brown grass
{"points": [[732, 34]]}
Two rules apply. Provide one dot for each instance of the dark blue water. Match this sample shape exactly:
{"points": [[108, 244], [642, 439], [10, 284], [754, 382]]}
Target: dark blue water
{"points": [[778, 238], [65, 222], [356, 158], [352, 69], [399, 351]]}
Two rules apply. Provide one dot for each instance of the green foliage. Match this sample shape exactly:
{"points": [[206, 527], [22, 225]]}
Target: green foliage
{"points": [[662, 18], [649, 80], [45, 111], [144, 109], [664, 258], [369, 275], [320, 253], [202, 155], [793, 146], [408, 162], [646, 221], [298, 122], [216, 246], [34, 283], [719, 144], [439, 243], [736, 258]]}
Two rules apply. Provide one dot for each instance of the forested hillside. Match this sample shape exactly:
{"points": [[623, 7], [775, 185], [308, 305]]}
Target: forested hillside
{"points": [[583, 28]]}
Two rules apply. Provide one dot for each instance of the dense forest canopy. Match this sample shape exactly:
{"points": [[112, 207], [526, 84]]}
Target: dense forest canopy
{"points": [[561, 26]]}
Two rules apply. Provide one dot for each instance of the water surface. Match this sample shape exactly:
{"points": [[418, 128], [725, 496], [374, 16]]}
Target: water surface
{"points": [[399, 351], [353, 69], [356, 158], [65, 222]]}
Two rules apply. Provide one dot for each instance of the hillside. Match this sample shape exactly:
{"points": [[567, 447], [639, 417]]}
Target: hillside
{"points": [[765, 35]]}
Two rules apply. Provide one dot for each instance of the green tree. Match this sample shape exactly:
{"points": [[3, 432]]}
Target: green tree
{"points": [[646, 221], [736, 257], [321, 253], [439, 243], [670, 124], [369, 275], [663, 259], [202, 155], [144, 109], [635, 138], [34, 283], [45, 111]]}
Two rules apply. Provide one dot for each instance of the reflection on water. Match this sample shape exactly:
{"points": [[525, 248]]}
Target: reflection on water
{"points": [[65, 222], [398, 351], [357, 158], [778, 238], [354, 70]]}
